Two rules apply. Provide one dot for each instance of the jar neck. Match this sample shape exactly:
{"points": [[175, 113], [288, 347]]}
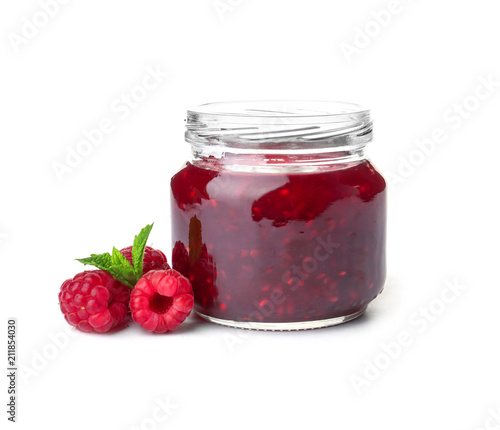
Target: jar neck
{"points": [[289, 162], [278, 134]]}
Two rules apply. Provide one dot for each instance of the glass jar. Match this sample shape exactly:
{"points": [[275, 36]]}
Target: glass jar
{"points": [[278, 219]]}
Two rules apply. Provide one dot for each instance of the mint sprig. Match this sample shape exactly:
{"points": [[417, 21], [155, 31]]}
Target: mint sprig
{"points": [[117, 265], [139, 247]]}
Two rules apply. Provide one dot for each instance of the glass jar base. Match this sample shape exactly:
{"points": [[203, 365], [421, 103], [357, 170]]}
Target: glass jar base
{"points": [[283, 326]]}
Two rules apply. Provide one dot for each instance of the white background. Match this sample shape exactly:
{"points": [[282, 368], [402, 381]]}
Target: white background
{"points": [[443, 215]]}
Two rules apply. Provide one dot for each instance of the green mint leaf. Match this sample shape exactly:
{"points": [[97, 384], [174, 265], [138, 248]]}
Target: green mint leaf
{"points": [[118, 259], [116, 265], [122, 270], [101, 261], [123, 275], [138, 249]]}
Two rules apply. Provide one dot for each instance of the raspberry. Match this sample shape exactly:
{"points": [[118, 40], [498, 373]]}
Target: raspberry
{"points": [[94, 302], [154, 259], [180, 259], [203, 276], [161, 300]]}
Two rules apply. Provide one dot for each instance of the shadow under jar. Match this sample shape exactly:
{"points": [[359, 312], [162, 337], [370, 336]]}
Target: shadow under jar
{"points": [[278, 219]]}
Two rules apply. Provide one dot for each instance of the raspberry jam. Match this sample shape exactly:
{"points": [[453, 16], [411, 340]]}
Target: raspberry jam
{"points": [[274, 237]]}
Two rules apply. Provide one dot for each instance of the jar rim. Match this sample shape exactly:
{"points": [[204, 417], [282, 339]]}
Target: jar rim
{"points": [[275, 126], [279, 109]]}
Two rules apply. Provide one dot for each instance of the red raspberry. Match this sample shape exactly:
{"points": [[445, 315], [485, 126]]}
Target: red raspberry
{"points": [[161, 300], [154, 259], [94, 302], [203, 276], [180, 259]]}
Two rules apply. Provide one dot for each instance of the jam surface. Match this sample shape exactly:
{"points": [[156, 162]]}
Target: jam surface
{"points": [[276, 247]]}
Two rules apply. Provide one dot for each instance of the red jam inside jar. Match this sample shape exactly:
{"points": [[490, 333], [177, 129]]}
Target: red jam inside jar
{"points": [[280, 233]]}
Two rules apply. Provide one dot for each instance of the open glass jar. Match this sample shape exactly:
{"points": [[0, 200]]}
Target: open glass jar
{"points": [[278, 220]]}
